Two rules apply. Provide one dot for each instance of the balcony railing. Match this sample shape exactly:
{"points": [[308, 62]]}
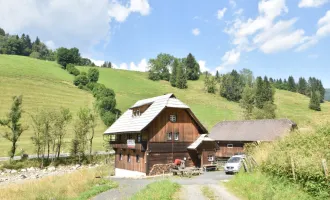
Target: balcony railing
{"points": [[142, 146]]}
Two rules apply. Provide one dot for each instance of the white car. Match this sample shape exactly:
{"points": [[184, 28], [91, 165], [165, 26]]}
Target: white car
{"points": [[234, 164]]}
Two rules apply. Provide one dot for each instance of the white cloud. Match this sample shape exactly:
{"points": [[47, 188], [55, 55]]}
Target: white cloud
{"points": [[78, 23], [272, 8], [322, 31], [142, 66], [202, 66], [232, 3], [121, 66], [221, 13], [97, 62], [195, 31], [312, 3], [50, 44], [231, 57], [239, 11]]}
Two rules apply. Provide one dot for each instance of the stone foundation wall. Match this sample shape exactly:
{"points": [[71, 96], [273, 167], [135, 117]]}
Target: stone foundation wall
{"points": [[159, 169]]}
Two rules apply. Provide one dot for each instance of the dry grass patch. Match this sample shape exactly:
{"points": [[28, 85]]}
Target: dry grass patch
{"points": [[81, 184], [208, 193]]}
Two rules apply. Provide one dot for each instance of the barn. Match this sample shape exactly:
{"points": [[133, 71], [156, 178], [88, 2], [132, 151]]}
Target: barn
{"points": [[231, 136]]}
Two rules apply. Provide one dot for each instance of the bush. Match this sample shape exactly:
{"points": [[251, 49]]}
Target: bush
{"points": [[80, 80], [35, 55], [72, 70], [108, 117], [106, 104], [100, 91], [93, 74]]}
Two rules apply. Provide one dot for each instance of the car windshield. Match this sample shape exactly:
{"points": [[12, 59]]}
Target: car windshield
{"points": [[234, 160]]}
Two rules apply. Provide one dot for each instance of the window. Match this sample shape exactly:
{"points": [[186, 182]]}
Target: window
{"points": [[120, 156], [169, 136], [210, 158], [176, 136], [128, 158], [137, 158], [173, 118], [139, 137], [138, 112], [129, 136], [230, 145], [119, 138]]}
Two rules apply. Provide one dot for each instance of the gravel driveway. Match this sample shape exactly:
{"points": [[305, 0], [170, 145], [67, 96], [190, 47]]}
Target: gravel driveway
{"points": [[190, 187]]}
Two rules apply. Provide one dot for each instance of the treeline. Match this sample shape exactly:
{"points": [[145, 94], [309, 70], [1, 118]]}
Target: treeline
{"points": [[256, 96], [50, 130], [175, 70], [24, 46]]}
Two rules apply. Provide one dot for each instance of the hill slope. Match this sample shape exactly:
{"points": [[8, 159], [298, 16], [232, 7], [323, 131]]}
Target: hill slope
{"points": [[44, 85], [210, 108]]}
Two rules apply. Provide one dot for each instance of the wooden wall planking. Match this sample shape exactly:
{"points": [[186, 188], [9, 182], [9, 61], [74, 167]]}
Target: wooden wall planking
{"points": [[133, 165]]}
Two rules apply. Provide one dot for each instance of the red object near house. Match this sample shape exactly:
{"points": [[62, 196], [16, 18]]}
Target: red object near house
{"points": [[177, 162]]}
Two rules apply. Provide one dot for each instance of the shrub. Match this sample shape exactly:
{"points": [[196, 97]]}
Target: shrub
{"points": [[106, 104], [35, 55], [108, 117], [93, 74], [72, 70], [80, 80], [101, 91]]}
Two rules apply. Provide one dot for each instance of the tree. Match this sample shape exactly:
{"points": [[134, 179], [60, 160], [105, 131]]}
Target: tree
{"points": [[80, 80], [61, 119], [192, 68], [247, 102], [93, 75], [174, 72], [12, 122], [93, 123], [64, 57], [217, 76], [72, 69], [231, 86], [181, 78], [210, 83], [247, 77], [159, 67], [2, 32], [260, 98], [302, 86], [267, 112], [291, 84], [314, 102]]}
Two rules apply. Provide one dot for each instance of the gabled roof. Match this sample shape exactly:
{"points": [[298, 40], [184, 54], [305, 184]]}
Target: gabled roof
{"points": [[127, 123], [251, 130], [200, 140]]}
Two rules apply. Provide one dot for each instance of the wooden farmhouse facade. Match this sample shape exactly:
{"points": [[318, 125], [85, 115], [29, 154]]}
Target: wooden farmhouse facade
{"points": [[154, 132], [231, 136]]}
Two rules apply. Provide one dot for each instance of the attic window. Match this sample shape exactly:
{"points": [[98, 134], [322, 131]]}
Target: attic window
{"points": [[210, 158], [173, 118], [138, 112], [230, 145], [169, 136]]}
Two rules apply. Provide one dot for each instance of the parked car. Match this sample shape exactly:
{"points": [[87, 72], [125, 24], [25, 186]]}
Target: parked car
{"points": [[234, 164]]}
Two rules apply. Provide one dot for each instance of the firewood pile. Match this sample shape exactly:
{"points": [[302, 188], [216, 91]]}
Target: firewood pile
{"points": [[160, 169]]}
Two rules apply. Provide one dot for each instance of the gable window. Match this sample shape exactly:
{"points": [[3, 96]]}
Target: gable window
{"points": [[120, 156], [138, 112], [173, 118], [137, 158], [169, 136], [210, 158], [230, 145], [176, 136], [128, 158]]}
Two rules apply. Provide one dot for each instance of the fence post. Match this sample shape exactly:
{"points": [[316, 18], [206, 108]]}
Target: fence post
{"points": [[325, 168], [293, 169]]}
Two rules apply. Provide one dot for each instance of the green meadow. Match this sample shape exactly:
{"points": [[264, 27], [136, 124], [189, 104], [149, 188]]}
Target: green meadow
{"points": [[44, 85]]}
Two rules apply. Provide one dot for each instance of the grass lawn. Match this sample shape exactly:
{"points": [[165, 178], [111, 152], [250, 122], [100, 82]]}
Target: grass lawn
{"points": [[259, 186], [164, 190], [44, 85], [79, 185]]}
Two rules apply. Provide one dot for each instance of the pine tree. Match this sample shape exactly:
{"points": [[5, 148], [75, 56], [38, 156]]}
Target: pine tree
{"points": [[174, 72], [217, 76], [259, 97], [291, 84], [181, 79], [302, 86], [314, 102], [192, 68]]}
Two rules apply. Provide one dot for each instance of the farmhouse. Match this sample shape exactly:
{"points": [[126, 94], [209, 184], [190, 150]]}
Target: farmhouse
{"points": [[154, 132], [231, 136]]}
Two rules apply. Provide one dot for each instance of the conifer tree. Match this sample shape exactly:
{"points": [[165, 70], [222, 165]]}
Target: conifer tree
{"points": [[174, 72], [302, 86], [247, 102], [192, 68], [314, 102], [181, 79], [291, 84], [259, 97], [217, 76]]}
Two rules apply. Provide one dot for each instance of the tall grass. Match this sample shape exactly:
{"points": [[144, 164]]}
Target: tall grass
{"points": [[298, 158], [81, 184], [163, 190], [259, 186]]}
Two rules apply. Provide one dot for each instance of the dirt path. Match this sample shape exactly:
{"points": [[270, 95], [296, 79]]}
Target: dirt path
{"points": [[191, 192], [221, 192]]}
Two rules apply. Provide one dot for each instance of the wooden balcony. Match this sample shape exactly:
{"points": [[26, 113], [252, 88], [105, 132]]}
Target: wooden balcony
{"points": [[138, 146]]}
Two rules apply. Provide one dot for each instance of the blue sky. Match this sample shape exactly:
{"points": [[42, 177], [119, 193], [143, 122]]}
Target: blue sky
{"points": [[276, 38]]}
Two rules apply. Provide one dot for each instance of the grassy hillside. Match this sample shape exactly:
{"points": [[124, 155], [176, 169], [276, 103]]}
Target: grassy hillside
{"points": [[44, 85], [327, 94], [210, 108]]}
